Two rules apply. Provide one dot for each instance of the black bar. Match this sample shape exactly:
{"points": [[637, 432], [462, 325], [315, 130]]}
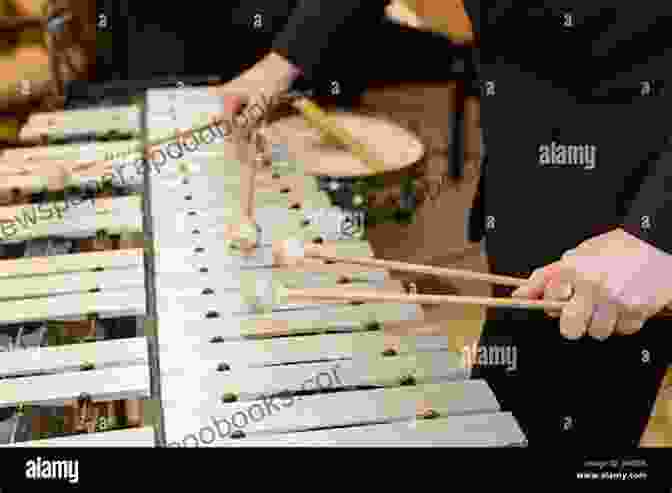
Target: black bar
{"points": [[501, 469]]}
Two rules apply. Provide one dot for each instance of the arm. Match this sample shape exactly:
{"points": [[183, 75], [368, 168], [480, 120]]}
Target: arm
{"points": [[298, 49], [312, 27]]}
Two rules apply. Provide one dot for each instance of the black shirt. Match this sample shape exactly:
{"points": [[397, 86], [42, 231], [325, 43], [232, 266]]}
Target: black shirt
{"points": [[575, 74], [151, 39]]}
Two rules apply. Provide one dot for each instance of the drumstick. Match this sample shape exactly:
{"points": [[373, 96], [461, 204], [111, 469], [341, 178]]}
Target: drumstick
{"points": [[374, 296], [247, 174], [318, 117], [244, 237], [288, 252]]}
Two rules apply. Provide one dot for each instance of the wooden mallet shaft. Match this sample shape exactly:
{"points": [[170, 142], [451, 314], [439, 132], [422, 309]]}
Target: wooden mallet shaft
{"points": [[372, 296], [417, 268]]}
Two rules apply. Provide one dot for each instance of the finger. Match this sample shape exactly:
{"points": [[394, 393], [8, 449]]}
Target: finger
{"points": [[604, 319], [557, 291], [575, 317], [630, 322], [535, 285]]}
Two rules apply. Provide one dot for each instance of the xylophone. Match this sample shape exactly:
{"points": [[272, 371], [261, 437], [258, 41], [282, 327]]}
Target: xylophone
{"points": [[49, 219], [219, 364]]}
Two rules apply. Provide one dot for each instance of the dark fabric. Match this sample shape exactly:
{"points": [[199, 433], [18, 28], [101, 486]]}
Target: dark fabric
{"points": [[366, 50], [581, 85], [583, 394], [319, 29], [150, 40]]}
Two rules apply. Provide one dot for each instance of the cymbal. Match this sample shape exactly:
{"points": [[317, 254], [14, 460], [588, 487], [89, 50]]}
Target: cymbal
{"points": [[396, 147]]}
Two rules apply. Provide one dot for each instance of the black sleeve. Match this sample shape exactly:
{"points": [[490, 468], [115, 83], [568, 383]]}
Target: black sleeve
{"points": [[649, 214], [314, 24]]}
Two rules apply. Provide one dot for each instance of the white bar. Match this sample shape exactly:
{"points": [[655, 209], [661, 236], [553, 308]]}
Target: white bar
{"points": [[31, 156], [102, 385], [252, 383], [134, 437], [58, 359], [82, 282], [279, 351], [122, 215], [79, 262], [84, 121], [79, 282], [317, 319], [106, 304], [187, 410], [480, 430]]}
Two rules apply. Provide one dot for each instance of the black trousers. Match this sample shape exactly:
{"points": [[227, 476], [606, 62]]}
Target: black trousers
{"points": [[584, 394]]}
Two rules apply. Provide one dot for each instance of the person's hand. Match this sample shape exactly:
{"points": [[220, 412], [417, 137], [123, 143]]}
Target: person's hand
{"points": [[254, 90], [614, 282]]}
